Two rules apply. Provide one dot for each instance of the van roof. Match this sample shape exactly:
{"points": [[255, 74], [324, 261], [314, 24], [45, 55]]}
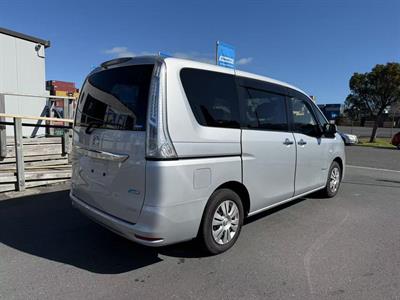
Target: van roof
{"points": [[237, 72], [194, 64]]}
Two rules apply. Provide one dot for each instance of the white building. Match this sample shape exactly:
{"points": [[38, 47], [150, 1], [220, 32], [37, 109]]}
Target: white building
{"points": [[22, 71]]}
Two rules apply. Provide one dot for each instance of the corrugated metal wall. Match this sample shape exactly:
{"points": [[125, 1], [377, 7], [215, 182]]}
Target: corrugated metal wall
{"points": [[22, 70]]}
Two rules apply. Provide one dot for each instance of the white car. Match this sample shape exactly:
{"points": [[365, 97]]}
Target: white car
{"points": [[349, 139]]}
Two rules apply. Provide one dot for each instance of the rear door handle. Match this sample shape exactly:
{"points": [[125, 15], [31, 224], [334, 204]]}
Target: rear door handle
{"points": [[302, 142], [288, 142]]}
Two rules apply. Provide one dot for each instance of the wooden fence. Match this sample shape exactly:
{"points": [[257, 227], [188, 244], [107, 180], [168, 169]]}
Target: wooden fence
{"points": [[42, 160], [30, 162]]}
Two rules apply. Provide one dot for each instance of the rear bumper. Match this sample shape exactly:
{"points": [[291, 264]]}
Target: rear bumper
{"points": [[164, 224]]}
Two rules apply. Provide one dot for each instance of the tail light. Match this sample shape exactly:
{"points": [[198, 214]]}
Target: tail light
{"points": [[158, 142]]}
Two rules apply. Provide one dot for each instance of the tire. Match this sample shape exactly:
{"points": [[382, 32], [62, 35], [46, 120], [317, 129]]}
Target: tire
{"points": [[223, 234], [333, 181]]}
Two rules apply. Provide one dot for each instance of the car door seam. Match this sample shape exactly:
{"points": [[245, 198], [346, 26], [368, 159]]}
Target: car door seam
{"points": [[295, 164]]}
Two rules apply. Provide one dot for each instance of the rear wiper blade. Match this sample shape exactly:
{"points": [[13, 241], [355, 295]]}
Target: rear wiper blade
{"points": [[91, 127]]}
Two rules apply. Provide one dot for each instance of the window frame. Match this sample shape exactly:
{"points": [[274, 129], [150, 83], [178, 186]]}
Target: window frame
{"points": [[296, 94], [193, 111], [316, 111], [243, 82]]}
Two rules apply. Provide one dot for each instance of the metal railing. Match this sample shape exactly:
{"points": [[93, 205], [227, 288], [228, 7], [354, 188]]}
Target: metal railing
{"points": [[18, 124]]}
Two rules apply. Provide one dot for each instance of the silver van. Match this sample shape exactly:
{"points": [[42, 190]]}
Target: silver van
{"points": [[167, 150]]}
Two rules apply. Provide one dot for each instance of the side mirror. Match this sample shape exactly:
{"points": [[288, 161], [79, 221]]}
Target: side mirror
{"points": [[329, 130]]}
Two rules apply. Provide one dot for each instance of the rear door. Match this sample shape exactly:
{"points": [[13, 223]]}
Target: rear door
{"points": [[109, 140], [268, 149]]}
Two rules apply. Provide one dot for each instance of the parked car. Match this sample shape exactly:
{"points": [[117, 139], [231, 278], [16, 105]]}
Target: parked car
{"points": [[167, 150], [396, 140], [349, 139]]}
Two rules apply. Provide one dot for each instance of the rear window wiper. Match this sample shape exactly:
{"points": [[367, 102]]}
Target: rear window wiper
{"points": [[91, 126]]}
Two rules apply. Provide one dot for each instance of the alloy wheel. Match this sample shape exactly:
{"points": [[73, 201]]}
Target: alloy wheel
{"points": [[334, 180], [225, 222]]}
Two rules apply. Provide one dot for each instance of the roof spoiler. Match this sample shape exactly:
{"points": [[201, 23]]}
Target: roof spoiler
{"points": [[115, 61]]}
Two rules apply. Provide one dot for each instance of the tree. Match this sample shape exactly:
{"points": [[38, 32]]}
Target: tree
{"points": [[353, 109], [374, 92]]}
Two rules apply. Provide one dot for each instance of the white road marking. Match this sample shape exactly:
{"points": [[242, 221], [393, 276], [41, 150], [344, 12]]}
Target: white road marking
{"points": [[316, 247], [374, 169]]}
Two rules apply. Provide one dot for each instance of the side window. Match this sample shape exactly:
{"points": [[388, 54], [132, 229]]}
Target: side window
{"points": [[212, 97], [303, 119], [320, 116], [263, 110]]}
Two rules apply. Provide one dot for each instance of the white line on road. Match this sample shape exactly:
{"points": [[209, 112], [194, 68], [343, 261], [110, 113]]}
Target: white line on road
{"points": [[374, 169]]}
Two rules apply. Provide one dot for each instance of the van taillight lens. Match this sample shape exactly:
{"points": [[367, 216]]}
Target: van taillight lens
{"points": [[158, 143]]}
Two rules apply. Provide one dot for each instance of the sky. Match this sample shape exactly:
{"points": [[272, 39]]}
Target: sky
{"points": [[315, 45]]}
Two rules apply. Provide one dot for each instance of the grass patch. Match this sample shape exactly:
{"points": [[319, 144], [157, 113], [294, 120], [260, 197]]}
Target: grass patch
{"points": [[379, 143]]}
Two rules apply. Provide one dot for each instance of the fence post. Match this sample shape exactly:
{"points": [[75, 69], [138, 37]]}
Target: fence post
{"points": [[3, 134], [65, 136], [51, 115], [19, 154]]}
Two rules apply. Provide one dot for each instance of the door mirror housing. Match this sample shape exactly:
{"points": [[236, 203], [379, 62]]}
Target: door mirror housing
{"points": [[329, 130]]}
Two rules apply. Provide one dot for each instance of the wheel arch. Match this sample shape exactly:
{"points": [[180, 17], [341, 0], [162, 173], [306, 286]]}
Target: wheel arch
{"points": [[202, 233], [240, 189], [339, 160]]}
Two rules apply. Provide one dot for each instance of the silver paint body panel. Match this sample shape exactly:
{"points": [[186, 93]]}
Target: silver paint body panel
{"points": [[165, 200]]}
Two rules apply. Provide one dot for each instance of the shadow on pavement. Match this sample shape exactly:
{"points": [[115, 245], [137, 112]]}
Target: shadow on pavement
{"points": [[389, 181], [375, 184], [276, 209], [47, 226]]}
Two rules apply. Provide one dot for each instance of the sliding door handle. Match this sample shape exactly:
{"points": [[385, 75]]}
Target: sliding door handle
{"points": [[302, 142], [288, 142]]}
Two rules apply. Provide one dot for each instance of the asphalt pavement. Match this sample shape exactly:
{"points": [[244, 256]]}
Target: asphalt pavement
{"points": [[366, 131], [341, 248], [373, 157]]}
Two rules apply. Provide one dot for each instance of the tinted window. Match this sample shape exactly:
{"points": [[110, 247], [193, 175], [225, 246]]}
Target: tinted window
{"points": [[212, 97], [116, 98], [303, 119], [263, 110], [320, 116]]}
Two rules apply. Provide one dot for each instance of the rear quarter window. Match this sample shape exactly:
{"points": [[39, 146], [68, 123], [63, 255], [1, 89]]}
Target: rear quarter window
{"points": [[116, 98], [212, 97]]}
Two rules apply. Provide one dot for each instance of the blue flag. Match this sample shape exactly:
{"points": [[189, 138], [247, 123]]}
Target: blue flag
{"points": [[225, 55]]}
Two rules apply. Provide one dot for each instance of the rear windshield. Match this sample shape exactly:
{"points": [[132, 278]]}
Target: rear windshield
{"points": [[116, 98]]}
